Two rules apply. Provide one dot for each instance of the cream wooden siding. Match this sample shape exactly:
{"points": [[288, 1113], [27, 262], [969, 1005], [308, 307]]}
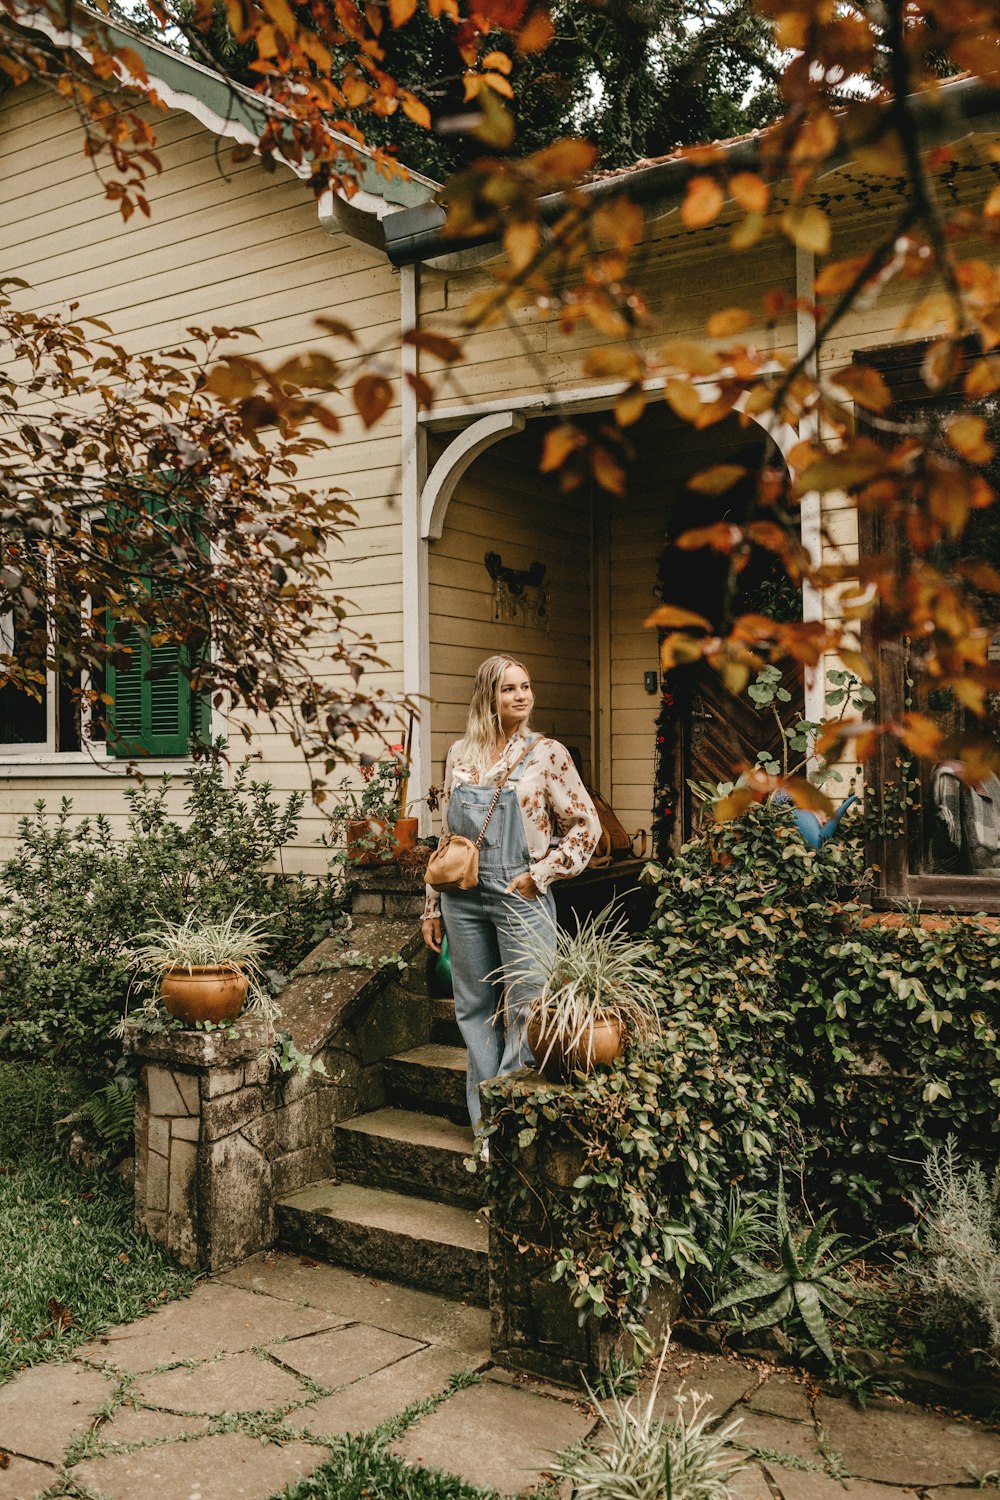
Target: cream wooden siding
{"points": [[503, 504], [226, 244]]}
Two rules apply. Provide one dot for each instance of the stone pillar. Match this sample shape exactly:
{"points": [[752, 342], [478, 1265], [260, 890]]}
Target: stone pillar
{"points": [[534, 1325], [203, 1185], [386, 891]]}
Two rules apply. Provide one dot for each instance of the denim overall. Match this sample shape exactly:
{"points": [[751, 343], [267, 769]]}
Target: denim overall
{"points": [[486, 933]]}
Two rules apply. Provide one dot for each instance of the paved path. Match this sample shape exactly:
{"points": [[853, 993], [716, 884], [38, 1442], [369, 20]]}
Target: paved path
{"points": [[176, 1405]]}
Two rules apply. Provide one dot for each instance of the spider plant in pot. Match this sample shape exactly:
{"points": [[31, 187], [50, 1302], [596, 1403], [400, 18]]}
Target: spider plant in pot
{"points": [[597, 994], [205, 970]]}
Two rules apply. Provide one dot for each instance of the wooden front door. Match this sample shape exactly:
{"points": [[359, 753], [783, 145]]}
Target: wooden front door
{"points": [[721, 732]]}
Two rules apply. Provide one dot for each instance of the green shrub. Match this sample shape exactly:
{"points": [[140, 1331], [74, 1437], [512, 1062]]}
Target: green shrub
{"points": [[75, 897], [958, 1275], [793, 1036], [860, 1047]]}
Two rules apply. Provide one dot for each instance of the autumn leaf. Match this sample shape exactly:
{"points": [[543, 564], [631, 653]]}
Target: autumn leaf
{"points": [[558, 444], [498, 61], [839, 275], [684, 399], [919, 734], [721, 536], [415, 109], [607, 470], [750, 192], [808, 227], [400, 11], [690, 355], [563, 160], [671, 617], [281, 14], [717, 480], [497, 127], [630, 406], [864, 385], [703, 200], [727, 808], [731, 320], [967, 435], [521, 240], [437, 344], [535, 34], [372, 398], [613, 361]]}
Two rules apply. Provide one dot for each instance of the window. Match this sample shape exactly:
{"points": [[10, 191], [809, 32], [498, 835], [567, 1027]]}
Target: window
{"points": [[152, 713], [948, 853]]}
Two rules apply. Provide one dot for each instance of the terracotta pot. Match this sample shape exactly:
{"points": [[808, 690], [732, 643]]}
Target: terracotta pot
{"points": [[371, 842], [213, 992], [557, 1063]]}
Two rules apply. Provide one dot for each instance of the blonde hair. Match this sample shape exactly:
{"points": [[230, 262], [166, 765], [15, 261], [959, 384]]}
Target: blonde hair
{"points": [[483, 729]]}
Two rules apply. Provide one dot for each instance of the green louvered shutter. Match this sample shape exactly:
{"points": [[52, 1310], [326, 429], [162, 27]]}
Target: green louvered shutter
{"points": [[153, 710]]}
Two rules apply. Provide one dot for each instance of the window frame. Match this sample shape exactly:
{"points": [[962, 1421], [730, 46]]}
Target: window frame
{"points": [[897, 882]]}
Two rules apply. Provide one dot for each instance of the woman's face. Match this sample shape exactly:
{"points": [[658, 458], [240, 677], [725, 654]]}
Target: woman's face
{"points": [[516, 699]]}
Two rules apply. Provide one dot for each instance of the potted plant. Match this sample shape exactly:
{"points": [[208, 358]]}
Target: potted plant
{"points": [[596, 998], [205, 970], [375, 827]]}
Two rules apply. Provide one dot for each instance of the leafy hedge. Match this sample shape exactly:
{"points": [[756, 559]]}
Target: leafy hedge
{"points": [[75, 895], [865, 1044], [796, 1036]]}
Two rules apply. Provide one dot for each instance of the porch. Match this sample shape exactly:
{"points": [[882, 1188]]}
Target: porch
{"points": [[565, 581]]}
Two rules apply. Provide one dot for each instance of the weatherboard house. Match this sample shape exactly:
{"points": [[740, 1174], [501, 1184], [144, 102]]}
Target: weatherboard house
{"points": [[462, 547]]}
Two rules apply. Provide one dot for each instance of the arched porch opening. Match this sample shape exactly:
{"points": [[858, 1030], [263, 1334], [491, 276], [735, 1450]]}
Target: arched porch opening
{"points": [[580, 628]]}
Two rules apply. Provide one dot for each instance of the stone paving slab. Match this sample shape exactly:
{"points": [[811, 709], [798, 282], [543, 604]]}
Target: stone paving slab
{"points": [[725, 1380], [782, 1396], [494, 1435], [230, 1466], [338, 1356], [778, 1435], [240, 1382], [750, 1484], [43, 1409], [370, 1402], [214, 1319], [137, 1425], [796, 1485], [346, 1294], [902, 1444], [23, 1479]]}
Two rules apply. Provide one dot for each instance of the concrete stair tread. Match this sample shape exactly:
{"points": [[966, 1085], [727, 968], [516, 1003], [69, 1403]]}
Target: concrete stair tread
{"points": [[433, 1055], [414, 1128], [392, 1213]]}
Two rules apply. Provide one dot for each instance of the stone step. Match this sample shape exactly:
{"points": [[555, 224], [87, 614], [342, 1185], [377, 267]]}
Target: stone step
{"points": [[444, 1027], [392, 1236], [408, 1152], [430, 1079]]}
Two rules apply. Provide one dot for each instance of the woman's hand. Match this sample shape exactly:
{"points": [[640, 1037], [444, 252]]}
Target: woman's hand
{"points": [[524, 886], [433, 933]]}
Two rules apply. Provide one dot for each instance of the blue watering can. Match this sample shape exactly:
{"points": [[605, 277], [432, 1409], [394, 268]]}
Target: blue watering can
{"points": [[814, 832]]}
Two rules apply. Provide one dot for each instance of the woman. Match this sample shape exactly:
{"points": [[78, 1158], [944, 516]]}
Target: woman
{"points": [[544, 828]]}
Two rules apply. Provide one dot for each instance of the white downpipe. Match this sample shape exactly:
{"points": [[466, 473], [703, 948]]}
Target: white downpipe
{"points": [[416, 594], [810, 512]]}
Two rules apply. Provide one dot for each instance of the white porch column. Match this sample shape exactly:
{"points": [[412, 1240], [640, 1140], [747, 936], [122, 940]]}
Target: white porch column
{"points": [[416, 598], [810, 510]]}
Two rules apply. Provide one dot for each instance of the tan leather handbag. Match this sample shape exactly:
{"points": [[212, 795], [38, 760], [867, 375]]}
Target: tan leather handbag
{"points": [[454, 865]]}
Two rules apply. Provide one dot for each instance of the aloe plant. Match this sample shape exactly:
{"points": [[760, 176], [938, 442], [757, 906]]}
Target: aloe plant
{"points": [[806, 1284]]}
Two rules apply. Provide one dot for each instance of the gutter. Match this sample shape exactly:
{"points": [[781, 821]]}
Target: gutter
{"points": [[951, 112]]}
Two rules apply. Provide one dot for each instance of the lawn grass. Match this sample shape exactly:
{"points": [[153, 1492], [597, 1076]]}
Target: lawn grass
{"points": [[70, 1262]]}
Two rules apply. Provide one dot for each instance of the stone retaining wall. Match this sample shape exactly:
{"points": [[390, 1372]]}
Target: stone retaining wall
{"points": [[220, 1135]]}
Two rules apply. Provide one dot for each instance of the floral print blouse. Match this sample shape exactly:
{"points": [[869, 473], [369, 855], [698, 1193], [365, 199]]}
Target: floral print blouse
{"points": [[560, 820]]}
